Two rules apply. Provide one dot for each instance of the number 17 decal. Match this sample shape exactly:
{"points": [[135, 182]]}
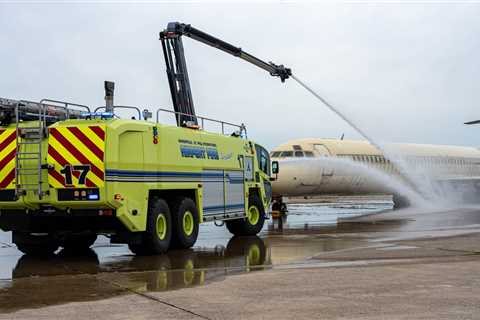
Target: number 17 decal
{"points": [[69, 170]]}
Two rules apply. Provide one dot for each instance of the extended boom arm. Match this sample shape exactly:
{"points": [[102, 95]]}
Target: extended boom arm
{"points": [[177, 68]]}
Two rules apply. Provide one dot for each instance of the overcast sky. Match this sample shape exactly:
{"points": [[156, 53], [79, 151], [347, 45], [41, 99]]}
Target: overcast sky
{"points": [[403, 72]]}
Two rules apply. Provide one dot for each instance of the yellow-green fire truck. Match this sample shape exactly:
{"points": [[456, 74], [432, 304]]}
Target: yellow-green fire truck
{"points": [[69, 173]]}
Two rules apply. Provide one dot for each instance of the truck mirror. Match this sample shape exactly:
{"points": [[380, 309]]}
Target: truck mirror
{"points": [[275, 167]]}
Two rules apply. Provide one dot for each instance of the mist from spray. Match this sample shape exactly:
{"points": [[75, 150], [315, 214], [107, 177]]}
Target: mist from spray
{"points": [[367, 178], [424, 186]]}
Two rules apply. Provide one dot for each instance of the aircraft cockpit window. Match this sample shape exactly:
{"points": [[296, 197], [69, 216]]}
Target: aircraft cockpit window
{"points": [[309, 154], [286, 154], [298, 154], [296, 147], [276, 154]]}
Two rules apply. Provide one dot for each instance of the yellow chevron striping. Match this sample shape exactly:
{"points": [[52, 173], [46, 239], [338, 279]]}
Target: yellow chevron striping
{"points": [[5, 133], [9, 166], [7, 150], [81, 147], [5, 171], [72, 160], [57, 167], [93, 136]]}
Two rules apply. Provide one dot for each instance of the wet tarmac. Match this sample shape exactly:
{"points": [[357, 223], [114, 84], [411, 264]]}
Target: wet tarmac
{"points": [[309, 234]]}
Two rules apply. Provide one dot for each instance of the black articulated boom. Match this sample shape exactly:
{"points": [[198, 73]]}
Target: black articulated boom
{"points": [[177, 69]]}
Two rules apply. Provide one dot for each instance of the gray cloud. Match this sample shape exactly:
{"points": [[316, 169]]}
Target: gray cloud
{"points": [[404, 72]]}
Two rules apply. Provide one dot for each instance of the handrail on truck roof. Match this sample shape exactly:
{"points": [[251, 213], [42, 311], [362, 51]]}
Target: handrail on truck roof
{"points": [[242, 128], [67, 112]]}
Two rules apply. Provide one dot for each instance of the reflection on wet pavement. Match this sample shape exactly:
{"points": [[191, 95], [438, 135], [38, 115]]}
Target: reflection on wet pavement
{"points": [[109, 270]]}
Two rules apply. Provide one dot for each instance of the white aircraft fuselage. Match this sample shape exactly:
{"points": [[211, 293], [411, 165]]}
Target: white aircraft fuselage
{"points": [[328, 166]]}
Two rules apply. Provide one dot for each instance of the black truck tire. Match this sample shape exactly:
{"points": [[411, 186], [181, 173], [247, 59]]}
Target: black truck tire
{"points": [[185, 223], [251, 247], [252, 224], [157, 237], [35, 245], [78, 242]]}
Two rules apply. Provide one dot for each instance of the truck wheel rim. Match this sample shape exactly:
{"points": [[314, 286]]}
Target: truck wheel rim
{"points": [[189, 273], [188, 223], [254, 255], [161, 226], [253, 215]]}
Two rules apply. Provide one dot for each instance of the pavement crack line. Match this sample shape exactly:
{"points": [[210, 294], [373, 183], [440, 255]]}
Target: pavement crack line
{"points": [[153, 298], [466, 252]]}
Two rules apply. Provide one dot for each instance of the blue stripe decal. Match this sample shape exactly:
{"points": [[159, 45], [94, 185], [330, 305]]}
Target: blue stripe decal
{"points": [[166, 174], [127, 173]]}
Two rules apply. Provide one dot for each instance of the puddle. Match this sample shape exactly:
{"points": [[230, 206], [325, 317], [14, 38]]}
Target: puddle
{"points": [[309, 230], [66, 277]]}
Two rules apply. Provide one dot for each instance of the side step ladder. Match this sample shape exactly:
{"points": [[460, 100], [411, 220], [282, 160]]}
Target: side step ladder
{"points": [[28, 161]]}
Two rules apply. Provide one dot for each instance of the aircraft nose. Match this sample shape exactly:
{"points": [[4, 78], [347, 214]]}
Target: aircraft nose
{"points": [[294, 176]]}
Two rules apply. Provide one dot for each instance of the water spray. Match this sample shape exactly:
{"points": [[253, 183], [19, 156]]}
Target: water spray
{"points": [[369, 174], [398, 165]]}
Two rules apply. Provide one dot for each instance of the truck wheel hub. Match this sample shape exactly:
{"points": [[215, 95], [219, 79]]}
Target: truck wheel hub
{"points": [[253, 215], [161, 226], [188, 223]]}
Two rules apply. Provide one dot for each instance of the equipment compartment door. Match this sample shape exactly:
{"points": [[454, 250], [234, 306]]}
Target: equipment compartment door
{"points": [[235, 192], [213, 192]]}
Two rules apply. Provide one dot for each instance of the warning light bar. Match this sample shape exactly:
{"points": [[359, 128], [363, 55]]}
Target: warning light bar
{"points": [[93, 115]]}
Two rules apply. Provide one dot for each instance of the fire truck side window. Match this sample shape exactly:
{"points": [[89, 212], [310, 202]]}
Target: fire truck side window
{"points": [[263, 159]]}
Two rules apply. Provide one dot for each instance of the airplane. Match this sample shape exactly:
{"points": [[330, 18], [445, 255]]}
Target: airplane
{"points": [[410, 172]]}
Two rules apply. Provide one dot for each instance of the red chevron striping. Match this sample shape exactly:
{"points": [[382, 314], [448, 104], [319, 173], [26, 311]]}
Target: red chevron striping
{"points": [[77, 154], [57, 176], [8, 140], [87, 142], [61, 160], [98, 131], [9, 157], [8, 179]]}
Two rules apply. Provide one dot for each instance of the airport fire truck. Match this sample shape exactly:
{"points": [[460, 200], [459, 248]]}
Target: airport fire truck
{"points": [[69, 172]]}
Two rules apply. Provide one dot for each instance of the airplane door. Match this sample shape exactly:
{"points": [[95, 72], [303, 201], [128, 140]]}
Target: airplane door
{"points": [[323, 151]]}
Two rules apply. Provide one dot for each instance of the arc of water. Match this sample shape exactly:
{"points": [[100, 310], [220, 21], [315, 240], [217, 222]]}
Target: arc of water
{"points": [[399, 166]]}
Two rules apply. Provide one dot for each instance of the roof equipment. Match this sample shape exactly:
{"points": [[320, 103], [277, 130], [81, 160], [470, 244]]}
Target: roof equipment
{"points": [[177, 73]]}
